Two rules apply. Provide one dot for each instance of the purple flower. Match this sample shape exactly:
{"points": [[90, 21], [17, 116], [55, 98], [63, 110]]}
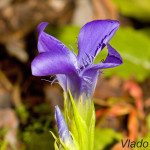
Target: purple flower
{"points": [[77, 73], [62, 126]]}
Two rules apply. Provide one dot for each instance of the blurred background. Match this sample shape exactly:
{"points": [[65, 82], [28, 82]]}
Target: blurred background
{"points": [[122, 95]]}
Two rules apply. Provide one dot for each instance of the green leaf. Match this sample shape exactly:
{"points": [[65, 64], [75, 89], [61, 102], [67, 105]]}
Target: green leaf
{"points": [[81, 128], [105, 138], [80, 116], [22, 112], [53, 135], [59, 142], [55, 146], [92, 129], [64, 146], [3, 145]]}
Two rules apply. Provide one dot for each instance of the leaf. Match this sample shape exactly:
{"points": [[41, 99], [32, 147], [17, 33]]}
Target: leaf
{"points": [[81, 127], [55, 146], [59, 142], [92, 130], [64, 146], [53, 135], [105, 138], [3, 145]]}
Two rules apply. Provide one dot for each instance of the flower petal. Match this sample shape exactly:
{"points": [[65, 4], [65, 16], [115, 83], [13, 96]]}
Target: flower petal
{"points": [[41, 27], [52, 63], [47, 43], [62, 79], [90, 78], [113, 59], [92, 72], [72, 83], [62, 126], [93, 37]]}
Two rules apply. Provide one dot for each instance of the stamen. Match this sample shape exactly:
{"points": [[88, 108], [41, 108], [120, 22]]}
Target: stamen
{"points": [[88, 55], [46, 80], [71, 48], [84, 65], [92, 57], [78, 70], [54, 81], [87, 77], [87, 80], [52, 76], [51, 82], [61, 44], [87, 62]]}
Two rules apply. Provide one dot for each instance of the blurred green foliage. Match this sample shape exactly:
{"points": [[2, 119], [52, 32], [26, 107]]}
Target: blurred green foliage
{"points": [[138, 9], [35, 135], [133, 45], [3, 131], [38, 141], [3, 143], [148, 122], [22, 112], [105, 139]]}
